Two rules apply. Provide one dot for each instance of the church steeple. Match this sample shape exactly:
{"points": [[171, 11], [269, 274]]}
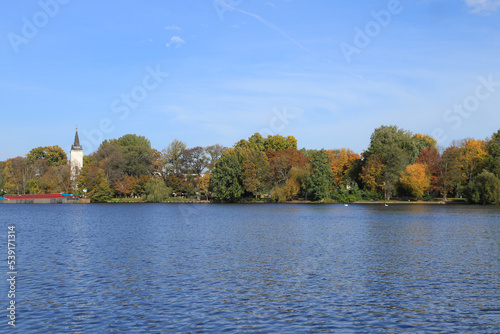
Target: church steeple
{"points": [[76, 145], [76, 158]]}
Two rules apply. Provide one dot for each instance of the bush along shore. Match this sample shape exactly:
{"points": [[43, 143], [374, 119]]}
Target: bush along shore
{"points": [[397, 167]]}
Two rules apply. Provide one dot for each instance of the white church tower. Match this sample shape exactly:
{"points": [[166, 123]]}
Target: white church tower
{"points": [[76, 157]]}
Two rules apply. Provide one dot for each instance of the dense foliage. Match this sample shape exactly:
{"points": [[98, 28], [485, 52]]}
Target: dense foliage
{"points": [[396, 164]]}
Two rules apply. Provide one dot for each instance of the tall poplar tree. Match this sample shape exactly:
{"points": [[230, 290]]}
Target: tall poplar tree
{"points": [[320, 178], [225, 180]]}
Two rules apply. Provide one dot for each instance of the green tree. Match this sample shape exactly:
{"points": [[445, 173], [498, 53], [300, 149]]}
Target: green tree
{"points": [[35, 186], [277, 143], [172, 156], [138, 154], [102, 192], [255, 142], [94, 180], [225, 180], [138, 160], [280, 143], [493, 144], [354, 171], [54, 155], [396, 149], [133, 140], [157, 191], [320, 178], [91, 160], [109, 157], [483, 189], [493, 160]]}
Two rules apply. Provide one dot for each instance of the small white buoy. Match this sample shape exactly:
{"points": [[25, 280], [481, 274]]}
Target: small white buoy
{"points": [[346, 204]]}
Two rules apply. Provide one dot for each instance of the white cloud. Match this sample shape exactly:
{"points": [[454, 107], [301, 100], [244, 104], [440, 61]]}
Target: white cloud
{"points": [[481, 6], [173, 28], [175, 41]]}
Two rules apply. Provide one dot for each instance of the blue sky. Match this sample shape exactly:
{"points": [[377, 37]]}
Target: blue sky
{"points": [[216, 71]]}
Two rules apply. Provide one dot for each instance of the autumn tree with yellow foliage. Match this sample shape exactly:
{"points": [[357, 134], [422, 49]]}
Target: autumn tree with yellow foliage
{"points": [[472, 157], [416, 179]]}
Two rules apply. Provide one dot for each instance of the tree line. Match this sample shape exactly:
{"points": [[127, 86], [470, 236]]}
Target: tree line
{"points": [[397, 164]]}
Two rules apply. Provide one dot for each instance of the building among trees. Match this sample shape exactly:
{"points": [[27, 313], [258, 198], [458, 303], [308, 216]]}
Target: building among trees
{"points": [[76, 157]]}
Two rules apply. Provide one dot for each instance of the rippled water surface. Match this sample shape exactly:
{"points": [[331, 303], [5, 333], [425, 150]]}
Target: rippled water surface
{"points": [[254, 268]]}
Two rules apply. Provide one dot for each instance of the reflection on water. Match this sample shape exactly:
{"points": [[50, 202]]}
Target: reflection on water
{"points": [[256, 268]]}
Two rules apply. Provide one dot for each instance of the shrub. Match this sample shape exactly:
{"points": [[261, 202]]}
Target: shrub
{"points": [[483, 189]]}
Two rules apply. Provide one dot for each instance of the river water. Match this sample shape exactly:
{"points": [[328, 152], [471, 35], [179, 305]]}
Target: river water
{"points": [[135, 268]]}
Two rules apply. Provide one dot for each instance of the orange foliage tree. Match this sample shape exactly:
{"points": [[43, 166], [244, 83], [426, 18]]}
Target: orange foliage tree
{"points": [[205, 184], [282, 161], [373, 172], [431, 157], [125, 185], [341, 161]]}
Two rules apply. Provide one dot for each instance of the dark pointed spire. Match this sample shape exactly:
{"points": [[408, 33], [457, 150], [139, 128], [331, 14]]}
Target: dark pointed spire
{"points": [[76, 145]]}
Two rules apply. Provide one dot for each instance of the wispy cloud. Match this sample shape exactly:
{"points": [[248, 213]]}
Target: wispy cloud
{"points": [[483, 6], [267, 23], [173, 28], [175, 41]]}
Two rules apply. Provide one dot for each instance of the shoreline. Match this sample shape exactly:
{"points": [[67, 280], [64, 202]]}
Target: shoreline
{"points": [[391, 202], [194, 201]]}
